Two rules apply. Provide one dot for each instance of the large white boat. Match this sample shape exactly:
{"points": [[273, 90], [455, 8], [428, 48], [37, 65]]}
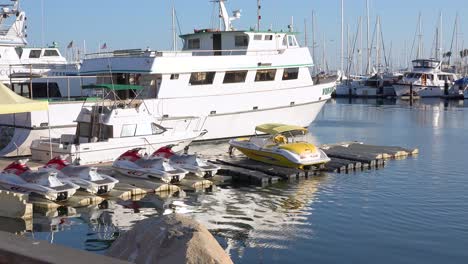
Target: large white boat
{"points": [[233, 79], [427, 80], [19, 63]]}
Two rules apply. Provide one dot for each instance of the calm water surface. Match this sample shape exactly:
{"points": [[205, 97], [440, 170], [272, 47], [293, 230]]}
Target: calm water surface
{"points": [[412, 211]]}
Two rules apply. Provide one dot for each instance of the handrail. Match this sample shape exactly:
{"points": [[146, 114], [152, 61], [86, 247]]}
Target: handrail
{"points": [[149, 53], [146, 141]]}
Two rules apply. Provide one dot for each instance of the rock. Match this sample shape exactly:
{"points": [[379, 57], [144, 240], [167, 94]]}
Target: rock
{"points": [[169, 239]]}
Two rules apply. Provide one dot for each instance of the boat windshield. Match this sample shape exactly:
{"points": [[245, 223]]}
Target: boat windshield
{"points": [[297, 136], [427, 64]]}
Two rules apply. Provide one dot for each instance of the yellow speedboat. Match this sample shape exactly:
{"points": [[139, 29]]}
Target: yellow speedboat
{"points": [[284, 145]]}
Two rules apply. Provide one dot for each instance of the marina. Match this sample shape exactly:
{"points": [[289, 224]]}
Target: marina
{"points": [[233, 142]]}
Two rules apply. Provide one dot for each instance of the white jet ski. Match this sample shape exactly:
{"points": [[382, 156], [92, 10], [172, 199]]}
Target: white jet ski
{"points": [[88, 178], [133, 164], [191, 163], [18, 177]]}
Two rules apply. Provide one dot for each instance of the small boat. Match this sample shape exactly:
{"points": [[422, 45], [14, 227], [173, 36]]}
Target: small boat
{"points": [[110, 127], [88, 178], [18, 177], [284, 145], [192, 163], [133, 164]]}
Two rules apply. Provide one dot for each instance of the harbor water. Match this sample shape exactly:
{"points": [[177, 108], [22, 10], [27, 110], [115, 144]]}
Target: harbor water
{"points": [[412, 211]]}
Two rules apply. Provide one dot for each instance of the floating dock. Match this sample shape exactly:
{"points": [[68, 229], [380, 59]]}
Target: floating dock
{"points": [[345, 157]]}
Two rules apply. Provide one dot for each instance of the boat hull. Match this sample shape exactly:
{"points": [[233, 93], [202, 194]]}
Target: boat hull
{"points": [[102, 152], [277, 159], [422, 91]]}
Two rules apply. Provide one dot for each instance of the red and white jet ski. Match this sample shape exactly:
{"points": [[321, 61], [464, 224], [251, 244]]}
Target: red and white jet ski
{"points": [[86, 177], [133, 164], [18, 177], [191, 163]]}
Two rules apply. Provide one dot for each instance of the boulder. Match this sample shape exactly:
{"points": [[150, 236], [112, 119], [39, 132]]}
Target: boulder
{"points": [[169, 239]]}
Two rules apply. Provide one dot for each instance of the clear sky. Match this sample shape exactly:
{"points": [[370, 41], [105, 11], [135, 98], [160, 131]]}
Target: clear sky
{"points": [[147, 23]]}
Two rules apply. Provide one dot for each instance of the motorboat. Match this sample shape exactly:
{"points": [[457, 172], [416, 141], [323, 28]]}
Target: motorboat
{"points": [[190, 162], [459, 89], [133, 164], [230, 77], [88, 178], [426, 80], [283, 145], [108, 128], [18, 177]]}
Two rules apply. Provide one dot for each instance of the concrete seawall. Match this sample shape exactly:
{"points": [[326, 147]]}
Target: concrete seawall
{"points": [[16, 249]]}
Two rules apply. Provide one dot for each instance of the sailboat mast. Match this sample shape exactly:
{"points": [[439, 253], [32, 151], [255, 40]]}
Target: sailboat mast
{"points": [[368, 39], [342, 38], [420, 48], [174, 31], [377, 47], [306, 44], [313, 37], [360, 61], [440, 50]]}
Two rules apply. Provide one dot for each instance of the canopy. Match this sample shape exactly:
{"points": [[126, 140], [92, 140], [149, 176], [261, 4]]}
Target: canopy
{"points": [[12, 103], [115, 87], [278, 128]]}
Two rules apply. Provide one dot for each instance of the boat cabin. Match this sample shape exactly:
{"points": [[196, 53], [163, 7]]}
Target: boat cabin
{"points": [[426, 64], [208, 42]]}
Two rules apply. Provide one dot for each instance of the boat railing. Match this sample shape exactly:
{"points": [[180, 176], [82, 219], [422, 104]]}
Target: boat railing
{"points": [[181, 53]]}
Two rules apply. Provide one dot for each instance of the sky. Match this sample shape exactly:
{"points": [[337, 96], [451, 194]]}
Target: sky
{"points": [[147, 23]]}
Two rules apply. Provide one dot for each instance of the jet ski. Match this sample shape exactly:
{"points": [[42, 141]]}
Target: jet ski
{"points": [[192, 163], [283, 145], [133, 164], [18, 177], [88, 178]]}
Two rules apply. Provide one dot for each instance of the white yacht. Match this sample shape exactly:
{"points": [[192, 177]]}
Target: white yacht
{"points": [[427, 79], [20, 63], [109, 128], [233, 79]]}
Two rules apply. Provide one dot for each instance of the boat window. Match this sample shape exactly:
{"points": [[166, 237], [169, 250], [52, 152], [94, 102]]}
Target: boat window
{"points": [[265, 75], [242, 41], [257, 37], [83, 130], [157, 129], [290, 74], [128, 130], [200, 78], [40, 90], [442, 77], [430, 77], [268, 37], [291, 41], [417, 75], [285, 41], [106, 132], [194, 43], [51, 53], [35, 54], [174, 76], [451, 78], [235, 77]]}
